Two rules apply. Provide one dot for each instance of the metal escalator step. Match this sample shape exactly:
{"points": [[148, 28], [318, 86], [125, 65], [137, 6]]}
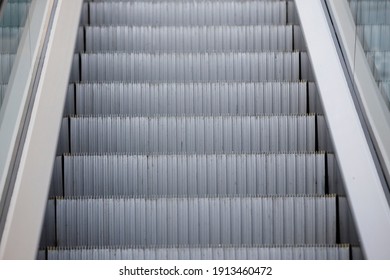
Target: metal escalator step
{"points": [[190, 136], [304, 182], [140, 135], [196, 67], [190, 39], [341, 252], [188, 13], [80, 40], [70, 104], [107, 1], [56, 184], [194, 175], [196, 221], [192, 99], [348, 232], [41, 255], [357, 253], [75, 70], [9, 39], [6, 63], [48, 234]]}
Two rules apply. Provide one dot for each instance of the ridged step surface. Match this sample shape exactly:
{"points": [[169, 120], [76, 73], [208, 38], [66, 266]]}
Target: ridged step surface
{"points": [[196, 221], [205, 253], [191, 39], [192, 99], [193, 130], [194, 67], [192, 134], [186, 13], [192, 175]]}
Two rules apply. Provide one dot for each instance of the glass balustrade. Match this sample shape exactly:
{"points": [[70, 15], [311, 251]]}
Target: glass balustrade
{"points": [[372, 19], [23, 27], [13, 17], [363, 29]]}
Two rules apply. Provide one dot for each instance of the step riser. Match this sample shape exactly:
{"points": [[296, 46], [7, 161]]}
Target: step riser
{"points": [[240, 253], [258, 95], [192, 39], [208, 67], [216, 99], [192, 135], [196, 221], [194, 175], [190, 13]]}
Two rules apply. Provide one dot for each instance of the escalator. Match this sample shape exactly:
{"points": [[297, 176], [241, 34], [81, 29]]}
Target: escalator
{"points": [[193, 130]]}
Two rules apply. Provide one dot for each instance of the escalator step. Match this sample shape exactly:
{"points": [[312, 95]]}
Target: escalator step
{"points": [[138, 135], [197, 67], [222, 175], [108, 1], [193, 130], [192, 99], [187, 13], [190, 39], [196, 221], [308, 252]]}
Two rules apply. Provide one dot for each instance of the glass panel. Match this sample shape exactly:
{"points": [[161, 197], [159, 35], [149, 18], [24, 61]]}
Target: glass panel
{"points": [[372, 18], [12, 20]]}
